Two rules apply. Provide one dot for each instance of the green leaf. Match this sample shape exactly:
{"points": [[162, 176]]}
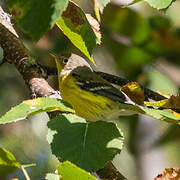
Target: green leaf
{"points": [[133, 2], [8, 162], [51, 176], [76, 27], [29, 107], [102, 4], [69, 171], [161, 83], [36, 17], [165, 115], [160, 4], [173, 102], [88, 145]]}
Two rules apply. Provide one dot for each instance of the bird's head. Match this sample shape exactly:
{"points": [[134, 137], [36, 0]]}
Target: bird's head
{"points": [[66, 64]]}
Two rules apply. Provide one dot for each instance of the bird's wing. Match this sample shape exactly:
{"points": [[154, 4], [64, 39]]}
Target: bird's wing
{"points": [[92, 82]]}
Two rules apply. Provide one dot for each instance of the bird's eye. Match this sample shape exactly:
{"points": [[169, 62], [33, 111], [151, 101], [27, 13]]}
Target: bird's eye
{"points": [[65, 60]]}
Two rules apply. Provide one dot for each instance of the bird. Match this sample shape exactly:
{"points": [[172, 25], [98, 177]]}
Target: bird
{"points": [[91, 96]]}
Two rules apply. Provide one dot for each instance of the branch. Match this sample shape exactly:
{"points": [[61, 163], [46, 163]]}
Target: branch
{"points": [[110, 172], [15, 52]]}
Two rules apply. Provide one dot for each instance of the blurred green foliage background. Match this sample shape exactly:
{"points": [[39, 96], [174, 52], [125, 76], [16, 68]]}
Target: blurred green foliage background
{"points": [[139, 43]]}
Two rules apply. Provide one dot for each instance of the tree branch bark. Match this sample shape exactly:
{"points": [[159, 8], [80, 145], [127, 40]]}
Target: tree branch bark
{"points": [[15, 52]]}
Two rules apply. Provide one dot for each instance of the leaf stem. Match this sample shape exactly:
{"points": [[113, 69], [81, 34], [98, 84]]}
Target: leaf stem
{"points": [[25, 172], [28, 165]]}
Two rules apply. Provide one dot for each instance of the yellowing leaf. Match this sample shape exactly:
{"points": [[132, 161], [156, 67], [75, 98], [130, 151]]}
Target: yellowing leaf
{"points": [[169, 174], [95, 27], [29, 107], [76, 27], [173, 102], [69, 171], [134, 92]]}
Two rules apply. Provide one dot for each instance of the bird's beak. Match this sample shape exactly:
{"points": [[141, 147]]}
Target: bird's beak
{"points": [[58, 62]]}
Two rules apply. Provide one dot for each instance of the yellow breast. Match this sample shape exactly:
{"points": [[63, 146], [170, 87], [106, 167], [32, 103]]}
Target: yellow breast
{"points": [[90, 106]]}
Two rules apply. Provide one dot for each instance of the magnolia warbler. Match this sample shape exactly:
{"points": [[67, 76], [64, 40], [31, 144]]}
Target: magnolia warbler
{"points": [[92, 97]]}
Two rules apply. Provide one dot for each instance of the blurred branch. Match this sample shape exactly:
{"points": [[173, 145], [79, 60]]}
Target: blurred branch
{"points": [[170, 70], [110, 172]]}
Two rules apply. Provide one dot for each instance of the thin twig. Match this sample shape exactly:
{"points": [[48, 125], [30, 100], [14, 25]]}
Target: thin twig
{"points": [[25, 173], [50, 70], [29, 165]]}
